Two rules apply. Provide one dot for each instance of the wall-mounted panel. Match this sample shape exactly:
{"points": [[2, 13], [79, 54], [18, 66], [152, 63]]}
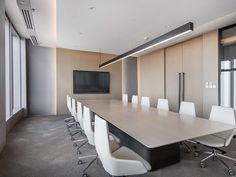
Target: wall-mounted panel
{"points": [[151, 75], [173, 57], [210, 70], [193, 73]]}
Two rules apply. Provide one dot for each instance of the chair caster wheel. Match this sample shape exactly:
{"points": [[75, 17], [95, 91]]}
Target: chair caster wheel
{"points": [[72, 139], [202, 165], [74, 144], [78, 152], [80, 162], [84, 175], [195, 154], [231, 172]]}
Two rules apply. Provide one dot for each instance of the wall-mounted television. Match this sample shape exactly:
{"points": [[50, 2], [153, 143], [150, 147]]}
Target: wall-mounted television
{"points": [[91, 82]]}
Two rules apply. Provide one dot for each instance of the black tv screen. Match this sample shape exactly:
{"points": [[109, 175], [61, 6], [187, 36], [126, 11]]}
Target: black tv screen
{"points": [[91, 82]]}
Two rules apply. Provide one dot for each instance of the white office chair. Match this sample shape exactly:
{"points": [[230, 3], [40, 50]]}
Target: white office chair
{"points": [[187, 108], [89, 132], [145, 101], [88, 129], [163, 104], [68, 103], [79, 114], [224, 115], [80, 120], [134, 99], [125, 98], [73, 113], [121, 162]]}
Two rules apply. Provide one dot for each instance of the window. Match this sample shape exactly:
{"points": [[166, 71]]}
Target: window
{"points": [[7, 58], [228, 67], [15, 71]]}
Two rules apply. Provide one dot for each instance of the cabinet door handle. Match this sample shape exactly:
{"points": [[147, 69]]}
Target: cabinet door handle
{"points": [[183, 89], [179, 98]]}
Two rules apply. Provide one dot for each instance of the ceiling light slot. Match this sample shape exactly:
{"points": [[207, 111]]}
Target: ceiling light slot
{"points": [[27, 18], [26, 12], [34, 40]]}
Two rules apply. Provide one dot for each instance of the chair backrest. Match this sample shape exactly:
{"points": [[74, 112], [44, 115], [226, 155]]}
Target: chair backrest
{"points": [[145, 101], [79, 115], [115, 166], [125, 98], [163, 104], [68, 102], [134, 99], [187, 108], [73, 107], [224, 115], [102, 141], [88, 126]]}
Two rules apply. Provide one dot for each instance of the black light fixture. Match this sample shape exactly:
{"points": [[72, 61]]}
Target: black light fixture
{"points": [[188, 27]]}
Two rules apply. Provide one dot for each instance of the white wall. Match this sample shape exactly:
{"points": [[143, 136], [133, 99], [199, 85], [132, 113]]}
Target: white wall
{"points": [[41, 80], [2, 77]]}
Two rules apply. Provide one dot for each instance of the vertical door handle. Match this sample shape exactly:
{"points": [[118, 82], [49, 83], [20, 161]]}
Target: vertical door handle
{"points": [[183, 89], [179, 98]]}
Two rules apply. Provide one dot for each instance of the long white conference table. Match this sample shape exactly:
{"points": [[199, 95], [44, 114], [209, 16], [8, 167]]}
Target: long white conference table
{"points": [[153, 134]]}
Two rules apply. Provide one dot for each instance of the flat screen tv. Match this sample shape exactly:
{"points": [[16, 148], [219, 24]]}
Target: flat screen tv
{"points": [[91, 82]]}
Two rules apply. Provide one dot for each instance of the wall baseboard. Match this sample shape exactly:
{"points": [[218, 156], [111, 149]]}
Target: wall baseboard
{"points": [[11, 122]]}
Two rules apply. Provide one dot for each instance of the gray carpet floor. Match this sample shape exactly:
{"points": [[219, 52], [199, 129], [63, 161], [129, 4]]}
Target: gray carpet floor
{"points": [[41, 147]]}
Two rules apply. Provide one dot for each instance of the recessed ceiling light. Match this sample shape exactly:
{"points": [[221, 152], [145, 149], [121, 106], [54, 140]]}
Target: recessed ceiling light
{"points": [[93, 8], [146, 38]]}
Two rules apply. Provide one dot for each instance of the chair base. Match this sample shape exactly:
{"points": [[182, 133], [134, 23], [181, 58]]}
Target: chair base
{"points": [[188, 149], [196, 152], [218, 156], [90, 163], [68, 119]]}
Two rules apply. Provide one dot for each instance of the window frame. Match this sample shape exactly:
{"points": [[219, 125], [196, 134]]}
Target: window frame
{"points": [[20, 68]]}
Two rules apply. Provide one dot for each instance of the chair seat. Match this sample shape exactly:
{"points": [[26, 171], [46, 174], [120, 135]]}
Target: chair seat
{"points": [[211, 140], [114, 145], [128, 154]]}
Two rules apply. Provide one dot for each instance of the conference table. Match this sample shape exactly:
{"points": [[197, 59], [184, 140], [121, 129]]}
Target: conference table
{"points": [[153, 134]]}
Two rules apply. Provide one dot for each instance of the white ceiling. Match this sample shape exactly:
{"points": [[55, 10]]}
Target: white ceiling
{"points": [[119, 25]]}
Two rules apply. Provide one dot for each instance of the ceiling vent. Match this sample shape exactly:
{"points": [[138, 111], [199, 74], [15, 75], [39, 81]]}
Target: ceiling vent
{"points": [[26, 12]]}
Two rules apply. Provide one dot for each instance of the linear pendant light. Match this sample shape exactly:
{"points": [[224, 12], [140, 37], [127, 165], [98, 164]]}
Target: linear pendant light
{"points": [[188, 27]]}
